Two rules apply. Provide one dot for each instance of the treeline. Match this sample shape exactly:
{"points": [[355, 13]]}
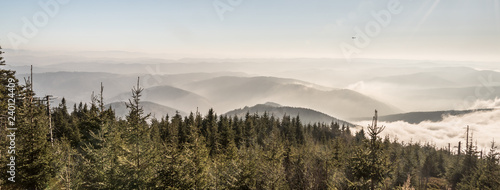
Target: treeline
{"points": [[90, 148]]}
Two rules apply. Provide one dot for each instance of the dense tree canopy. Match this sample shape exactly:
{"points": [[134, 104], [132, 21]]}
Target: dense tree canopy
{"points": [[93, 149]]}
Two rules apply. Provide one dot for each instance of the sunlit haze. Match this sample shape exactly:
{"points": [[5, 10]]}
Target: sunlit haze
{"points": [[343, 59], [423, 30]]}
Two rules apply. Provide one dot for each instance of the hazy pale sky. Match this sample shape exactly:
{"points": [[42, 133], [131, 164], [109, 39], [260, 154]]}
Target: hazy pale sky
{"points": [[415, 29]]}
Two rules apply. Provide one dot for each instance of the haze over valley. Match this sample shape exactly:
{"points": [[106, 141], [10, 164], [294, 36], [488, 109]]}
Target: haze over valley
{"points": [[342, 90], [250, 94]]}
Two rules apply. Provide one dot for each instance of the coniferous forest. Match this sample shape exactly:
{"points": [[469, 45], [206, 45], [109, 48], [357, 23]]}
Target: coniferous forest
{"points": [[90, 148]]}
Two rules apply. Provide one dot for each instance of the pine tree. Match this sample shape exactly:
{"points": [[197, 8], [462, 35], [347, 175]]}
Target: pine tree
{"points": [[247, 165], [486, 175], [102, 149], [172, 130], [370, 164], [9, 90], [491, 177], [88, 121], [249, 136], [226, 133], [5, 75], [69, 175], [95, 150], [360, 136], [271, 168], [184, 131], [336, 165], [138, 161], [63, 126], [466, 165], [224, 168], [299, 131], [287, 129], [212, 133], [34, 153], [184, 168], [237, 126], [116, 147]]}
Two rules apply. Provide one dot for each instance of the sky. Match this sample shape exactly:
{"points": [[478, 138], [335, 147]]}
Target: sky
{"points": [[458, 30]]}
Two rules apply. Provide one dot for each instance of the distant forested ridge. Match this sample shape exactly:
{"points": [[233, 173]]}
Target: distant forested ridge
{"points": [[92, 148], [306, 115], [418, 117]]}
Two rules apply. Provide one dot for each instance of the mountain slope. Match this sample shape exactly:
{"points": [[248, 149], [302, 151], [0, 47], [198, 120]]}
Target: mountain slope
{"points": [[227, 93], [440, 77], [306, 115], [204, 91], [170, 96], [414, 80], [418, 117], [156, 110], [78, 86]]}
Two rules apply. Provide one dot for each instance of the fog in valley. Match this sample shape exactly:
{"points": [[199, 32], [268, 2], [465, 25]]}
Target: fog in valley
{"points": [[240, 94], [346, 90]]}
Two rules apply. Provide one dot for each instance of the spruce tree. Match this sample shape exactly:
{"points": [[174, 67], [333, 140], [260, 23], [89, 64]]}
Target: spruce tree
{"points": [[34, 153], [249, 136], [370, 165], [271, 168], [491, 168], [138, 161], [69, 174], [172, 130], [184, 168], [212, 133], [226, 133], [486, 175], [299, 131], [63, 125], [9, 90]]}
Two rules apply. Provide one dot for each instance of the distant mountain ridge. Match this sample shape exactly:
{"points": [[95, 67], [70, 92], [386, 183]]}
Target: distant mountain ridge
{"points": [[170, 96], [230, 92], [158, 111], [78, 86], [306, 115], [200, 91], [418, 117]]}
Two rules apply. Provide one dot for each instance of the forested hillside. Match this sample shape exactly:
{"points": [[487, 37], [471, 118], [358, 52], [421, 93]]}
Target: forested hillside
{"points": [[306, 115], [90, 148]]}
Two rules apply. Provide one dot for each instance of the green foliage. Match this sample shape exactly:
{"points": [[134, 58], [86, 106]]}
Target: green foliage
{"points": [[64, 126], [35, 164], [70, 175], [369, 164], [95, 150], [184, 168], [486, 175], [138, 161]]}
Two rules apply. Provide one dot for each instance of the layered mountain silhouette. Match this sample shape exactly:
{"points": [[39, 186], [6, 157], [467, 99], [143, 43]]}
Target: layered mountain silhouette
{"points": [[418, 117], [183, 100], [231, 92], [307, 116], [200, 91], [158, 111]]}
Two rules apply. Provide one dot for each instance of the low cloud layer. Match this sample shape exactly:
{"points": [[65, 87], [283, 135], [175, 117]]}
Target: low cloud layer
{"points": [[482, 104], [485, 127]]}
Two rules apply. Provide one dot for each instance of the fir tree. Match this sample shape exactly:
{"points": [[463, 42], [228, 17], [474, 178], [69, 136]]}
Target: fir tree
{"points": [[63, 125], [184, 168], [69, 175], [34, 153], [212, 133], [370, 164], [138, 160]]}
